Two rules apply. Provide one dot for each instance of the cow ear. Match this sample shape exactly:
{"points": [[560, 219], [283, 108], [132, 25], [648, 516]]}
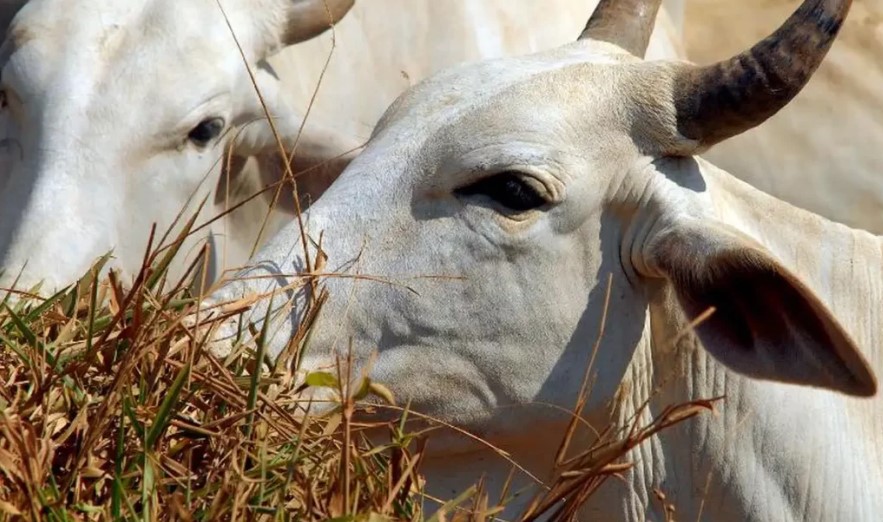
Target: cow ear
{"points": [[767, 324], [318, 152], [310, 18], [255, 134]]}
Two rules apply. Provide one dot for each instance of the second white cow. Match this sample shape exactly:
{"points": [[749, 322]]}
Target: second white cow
{"points": [[487, 212]]}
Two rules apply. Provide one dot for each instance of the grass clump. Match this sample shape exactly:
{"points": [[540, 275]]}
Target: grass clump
{"points": [[112, 409]]}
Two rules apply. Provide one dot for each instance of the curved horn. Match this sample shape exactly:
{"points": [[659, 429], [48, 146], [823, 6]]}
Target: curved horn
{"points": [[626, 23], [725, 99], [310, 18]]}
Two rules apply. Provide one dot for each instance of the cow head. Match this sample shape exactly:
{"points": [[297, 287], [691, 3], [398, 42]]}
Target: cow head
{"points": [[115, 116], [474, 236]]}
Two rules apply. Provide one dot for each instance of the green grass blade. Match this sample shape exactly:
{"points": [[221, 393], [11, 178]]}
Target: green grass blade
{"points": [[256, 376], [22, 328], [90, 328], [148, 482], [45, 305], [167, 408], [133, 418], [118, 488], [7, 343], [176, 245], [451, 504]]}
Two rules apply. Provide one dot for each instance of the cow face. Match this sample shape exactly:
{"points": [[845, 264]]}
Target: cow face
{"points": [[473, 240], [115, 115]]}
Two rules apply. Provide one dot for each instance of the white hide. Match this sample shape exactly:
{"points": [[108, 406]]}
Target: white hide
{"points": [[425, 37], [103, 93], [101, 96]]}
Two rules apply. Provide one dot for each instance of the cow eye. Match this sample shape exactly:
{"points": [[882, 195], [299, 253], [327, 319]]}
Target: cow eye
{"points": [[4, 101], [207, 131], [508, 189]]}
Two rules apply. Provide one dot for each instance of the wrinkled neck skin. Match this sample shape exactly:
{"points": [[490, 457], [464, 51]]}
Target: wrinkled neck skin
{"points": [[759, 456]]}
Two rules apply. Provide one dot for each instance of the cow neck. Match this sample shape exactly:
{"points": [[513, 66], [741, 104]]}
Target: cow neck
{"points": [[760, 455]]}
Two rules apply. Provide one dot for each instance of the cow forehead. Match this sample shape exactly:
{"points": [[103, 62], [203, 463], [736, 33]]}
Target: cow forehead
{"points": [[77, 18], [102, 58], [107, 34], [506, 110], [458, 90]]}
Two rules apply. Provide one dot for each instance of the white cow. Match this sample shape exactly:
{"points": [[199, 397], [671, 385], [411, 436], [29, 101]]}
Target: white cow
{"points": [[116, 114], [491, 205]]}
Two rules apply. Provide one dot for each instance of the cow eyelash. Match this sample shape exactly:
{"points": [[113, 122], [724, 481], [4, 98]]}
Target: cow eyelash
{"points": [[508, 189]]}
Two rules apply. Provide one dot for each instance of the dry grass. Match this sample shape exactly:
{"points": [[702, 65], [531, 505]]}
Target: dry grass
{"points": [[111, 408]]}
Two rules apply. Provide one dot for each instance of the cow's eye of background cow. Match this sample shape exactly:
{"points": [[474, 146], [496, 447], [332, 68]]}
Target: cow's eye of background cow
{"points": [[4, 102], [207, 130], [509, 189]]}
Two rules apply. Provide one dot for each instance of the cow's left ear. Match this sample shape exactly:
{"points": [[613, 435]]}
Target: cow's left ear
{"points": [[318, 151], [767, 324], [310, 18]]}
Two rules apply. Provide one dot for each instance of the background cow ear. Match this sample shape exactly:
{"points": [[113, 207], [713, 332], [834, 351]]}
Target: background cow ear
{"points": [[310, 18], [318, 152], [317, 137], [767, 324]]}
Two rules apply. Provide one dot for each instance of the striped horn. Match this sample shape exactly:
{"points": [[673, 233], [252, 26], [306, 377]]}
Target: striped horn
{"points": [[719, 101]]}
